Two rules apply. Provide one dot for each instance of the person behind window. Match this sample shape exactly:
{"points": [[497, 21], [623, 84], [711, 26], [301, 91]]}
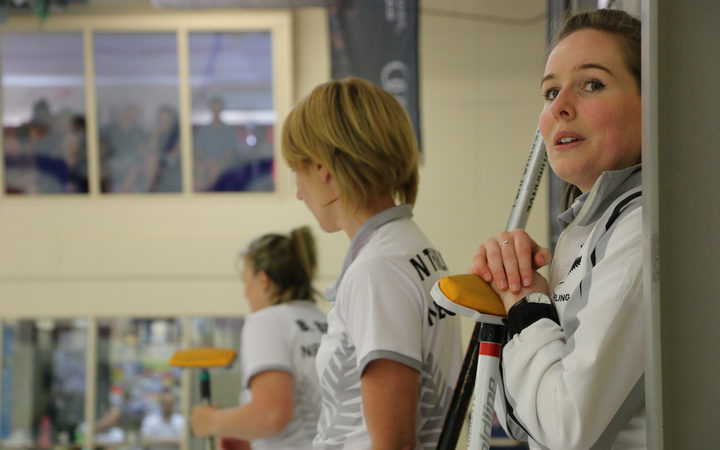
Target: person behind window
{"points": [[391, 358], [163, 429], [215, 148], [109, 402], [572, 368], [75, 149], [42, 139], [280, 403], [123, 153], [163, 162]]}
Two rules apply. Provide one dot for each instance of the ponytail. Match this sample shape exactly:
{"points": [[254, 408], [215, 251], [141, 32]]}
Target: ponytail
{"points": [[290, 262]]}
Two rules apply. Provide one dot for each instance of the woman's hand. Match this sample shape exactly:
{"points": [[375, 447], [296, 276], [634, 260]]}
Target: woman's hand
{"points": [[227, 443], [509, 260], [202, 421], [509, 298], [267, 414]]}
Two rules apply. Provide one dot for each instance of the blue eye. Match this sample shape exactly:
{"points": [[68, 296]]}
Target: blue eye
{"points": [[593, 86], [550, 94]]}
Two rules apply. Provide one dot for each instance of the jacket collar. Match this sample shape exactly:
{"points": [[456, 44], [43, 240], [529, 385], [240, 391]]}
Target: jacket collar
{"points": [[609, 186]]}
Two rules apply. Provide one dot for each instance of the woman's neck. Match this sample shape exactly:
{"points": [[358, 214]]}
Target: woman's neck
{"points": [[353, 220]]}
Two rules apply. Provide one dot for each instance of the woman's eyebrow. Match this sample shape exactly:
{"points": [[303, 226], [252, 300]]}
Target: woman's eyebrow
{"points": [[585, 66], [593, 66]]}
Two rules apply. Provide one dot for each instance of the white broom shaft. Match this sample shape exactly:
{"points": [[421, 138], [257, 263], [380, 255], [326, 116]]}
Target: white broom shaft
{"points": [[486, 382], [529, 184]]}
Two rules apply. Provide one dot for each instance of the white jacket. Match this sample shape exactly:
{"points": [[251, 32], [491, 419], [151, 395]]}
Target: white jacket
{"points": [[579, 384]]}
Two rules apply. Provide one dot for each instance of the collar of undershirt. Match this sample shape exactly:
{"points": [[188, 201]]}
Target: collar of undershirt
{"points": [[362, 236]]}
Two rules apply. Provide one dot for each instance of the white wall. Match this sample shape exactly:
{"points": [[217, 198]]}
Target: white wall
{"points": [[481, 63], [480, 77]]}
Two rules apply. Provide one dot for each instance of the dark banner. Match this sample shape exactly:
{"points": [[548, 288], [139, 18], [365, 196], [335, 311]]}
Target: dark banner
{"points": [[378, 40], [189, 4]]}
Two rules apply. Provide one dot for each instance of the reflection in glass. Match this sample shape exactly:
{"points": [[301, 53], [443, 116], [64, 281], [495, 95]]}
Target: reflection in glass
{"points": [[136, 78], [226, 382], [43, 113], [43, 382], [232, 111], [138, 391]]}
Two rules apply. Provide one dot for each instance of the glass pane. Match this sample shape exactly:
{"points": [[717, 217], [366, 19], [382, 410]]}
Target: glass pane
{"points": [[43, 113], [225, 382], [232, 111], [136, 79], [138, 391], [43, 382]]}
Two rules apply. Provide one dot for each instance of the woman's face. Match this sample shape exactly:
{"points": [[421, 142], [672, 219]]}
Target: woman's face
{"points": [[591, 118], [257, 288]]}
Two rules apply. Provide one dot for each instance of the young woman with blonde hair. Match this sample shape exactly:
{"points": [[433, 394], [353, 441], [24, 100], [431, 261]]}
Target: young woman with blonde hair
{"points": [[280, 403], [389, 361]]}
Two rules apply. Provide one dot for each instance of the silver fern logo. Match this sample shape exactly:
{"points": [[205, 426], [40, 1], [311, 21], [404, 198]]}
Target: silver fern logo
{"points": [[341, 397], [434, 399]]}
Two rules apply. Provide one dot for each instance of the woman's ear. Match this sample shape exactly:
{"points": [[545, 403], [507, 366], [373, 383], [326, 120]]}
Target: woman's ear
{"points": [[264, 279], [322, 172]]}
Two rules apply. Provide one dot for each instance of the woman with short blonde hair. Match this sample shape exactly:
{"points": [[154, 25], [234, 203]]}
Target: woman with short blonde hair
{"points": [[389, 361]]}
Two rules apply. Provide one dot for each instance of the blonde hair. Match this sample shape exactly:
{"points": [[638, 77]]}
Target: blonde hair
{"points": [[361, 135], [290, 262]]}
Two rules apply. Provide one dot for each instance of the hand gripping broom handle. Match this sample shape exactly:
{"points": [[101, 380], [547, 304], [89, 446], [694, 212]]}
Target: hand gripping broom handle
{"points": [[519, 213]]}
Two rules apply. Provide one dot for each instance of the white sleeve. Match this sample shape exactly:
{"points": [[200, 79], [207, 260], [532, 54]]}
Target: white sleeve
{"points": [[145, 426], [566, 392], [265, 345], [383, 314]]}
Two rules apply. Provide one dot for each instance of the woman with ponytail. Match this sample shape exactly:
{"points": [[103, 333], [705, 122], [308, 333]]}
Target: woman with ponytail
{"points": [[280, 402], [390, 359]]}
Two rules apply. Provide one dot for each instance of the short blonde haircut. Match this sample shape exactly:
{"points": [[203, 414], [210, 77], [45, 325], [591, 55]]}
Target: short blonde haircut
{"points": [[361, 135]]}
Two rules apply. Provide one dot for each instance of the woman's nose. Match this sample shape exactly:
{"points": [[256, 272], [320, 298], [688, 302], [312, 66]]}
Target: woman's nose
{"points": [[564, 105]]}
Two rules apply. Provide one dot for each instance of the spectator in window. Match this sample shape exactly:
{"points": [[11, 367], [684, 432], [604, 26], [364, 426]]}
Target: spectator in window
{"points": [[163, 430], [215, 148]]}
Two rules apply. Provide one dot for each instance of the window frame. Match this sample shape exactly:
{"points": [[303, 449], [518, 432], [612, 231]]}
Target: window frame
{"points": [[182, 23]]}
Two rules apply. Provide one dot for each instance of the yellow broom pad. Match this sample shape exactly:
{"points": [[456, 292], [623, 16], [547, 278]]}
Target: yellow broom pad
{"points": [[472, 292], [203, 357]]}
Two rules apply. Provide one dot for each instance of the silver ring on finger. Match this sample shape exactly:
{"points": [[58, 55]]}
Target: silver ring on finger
{"points": [[504, 243]]}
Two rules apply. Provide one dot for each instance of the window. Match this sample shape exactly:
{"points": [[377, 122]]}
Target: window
{"points": [[132, 81], [43, 113], [44, 379], [232, 111], [43, 382], [225, 382], [136, 81]]}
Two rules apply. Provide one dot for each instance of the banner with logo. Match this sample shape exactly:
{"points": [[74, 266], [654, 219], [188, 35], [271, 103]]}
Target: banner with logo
{"points": [[378, 40]]}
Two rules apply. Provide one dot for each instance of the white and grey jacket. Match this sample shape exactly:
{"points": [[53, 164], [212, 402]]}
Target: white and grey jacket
{"points": [[579, 383]]}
